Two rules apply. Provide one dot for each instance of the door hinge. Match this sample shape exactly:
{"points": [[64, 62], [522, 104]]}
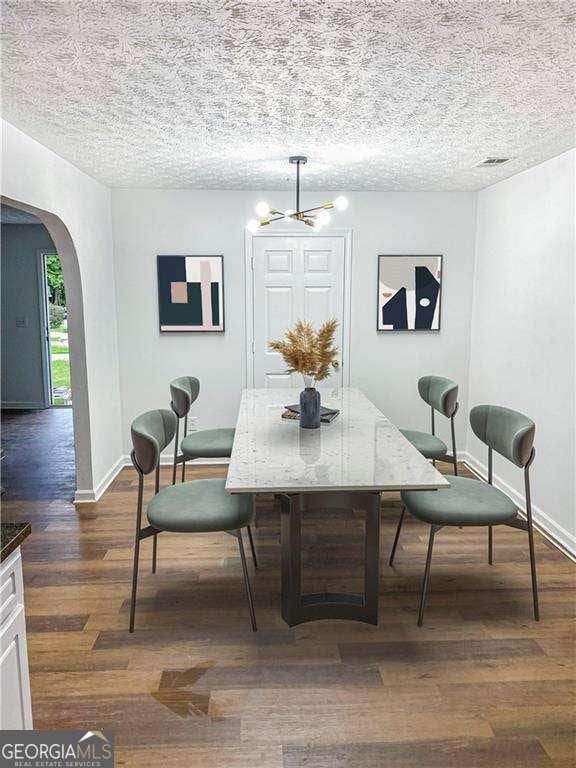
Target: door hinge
{"points": [[252, 263], [253, 346]]}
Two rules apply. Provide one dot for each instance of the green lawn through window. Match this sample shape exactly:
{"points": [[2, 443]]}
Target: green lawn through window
{"points": [[60, 364], [60, 373]]}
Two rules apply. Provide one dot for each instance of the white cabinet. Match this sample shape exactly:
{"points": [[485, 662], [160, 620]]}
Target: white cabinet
{"points": [[15, 702]]}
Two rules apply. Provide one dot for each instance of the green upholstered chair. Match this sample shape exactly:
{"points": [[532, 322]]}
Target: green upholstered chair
{"points": [[470, 502], [441, 394], [197, 506], [202, 444]]}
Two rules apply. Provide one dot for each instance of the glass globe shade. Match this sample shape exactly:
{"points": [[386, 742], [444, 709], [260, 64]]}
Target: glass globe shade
{"points": [[262, 209], [341, 203], [253, 226]]}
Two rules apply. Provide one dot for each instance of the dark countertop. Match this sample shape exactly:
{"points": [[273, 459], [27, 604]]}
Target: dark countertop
{"points": [[11, 536]]}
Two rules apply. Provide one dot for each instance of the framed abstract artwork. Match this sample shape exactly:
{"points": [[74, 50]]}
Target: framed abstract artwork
{"points": [[409, 293], [191, 293]]}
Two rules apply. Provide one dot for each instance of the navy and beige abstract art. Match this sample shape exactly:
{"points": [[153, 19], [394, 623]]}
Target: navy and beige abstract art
{"points": [[191, 293], [409, 290]]}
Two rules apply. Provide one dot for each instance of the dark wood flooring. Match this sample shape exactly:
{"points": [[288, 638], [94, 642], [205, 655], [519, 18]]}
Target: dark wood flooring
{"points": [[39, 458], [480, 684]]}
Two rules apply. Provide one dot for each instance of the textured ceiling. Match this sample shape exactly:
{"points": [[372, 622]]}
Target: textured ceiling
{"points": [[216, 94]]}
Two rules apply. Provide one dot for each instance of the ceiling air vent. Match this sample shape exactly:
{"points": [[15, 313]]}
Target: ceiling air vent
{"points": [[492, 161]]}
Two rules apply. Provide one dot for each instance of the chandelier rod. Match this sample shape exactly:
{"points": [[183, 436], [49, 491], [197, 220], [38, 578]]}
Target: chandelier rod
{"points": [[298, 186]]}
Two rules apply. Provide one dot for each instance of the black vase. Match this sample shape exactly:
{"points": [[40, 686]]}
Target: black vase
{"points": [[309, 408]]}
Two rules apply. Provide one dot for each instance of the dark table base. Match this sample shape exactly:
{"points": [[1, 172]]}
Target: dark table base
{"points": [[298, 608]]}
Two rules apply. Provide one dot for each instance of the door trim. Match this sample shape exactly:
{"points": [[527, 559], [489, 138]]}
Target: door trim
{"points": [[346, 235], [45, 327]]}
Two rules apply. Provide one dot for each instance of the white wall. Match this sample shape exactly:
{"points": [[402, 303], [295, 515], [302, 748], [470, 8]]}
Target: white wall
{"points": [[34, 175], [523, 327], [385, 365]]}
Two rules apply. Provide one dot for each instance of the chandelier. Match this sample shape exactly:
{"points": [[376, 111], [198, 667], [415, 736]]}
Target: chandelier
{"points": [[316, 217]]}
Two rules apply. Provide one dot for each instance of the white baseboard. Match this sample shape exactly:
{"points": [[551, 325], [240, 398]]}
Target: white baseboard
{"points": [[91, 496], [548, 527], [84, 497]]}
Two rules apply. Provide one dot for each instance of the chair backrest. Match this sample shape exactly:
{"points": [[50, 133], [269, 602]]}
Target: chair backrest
{"points": [[151, 433], [440, 393], [508, 432], [183, 391]]}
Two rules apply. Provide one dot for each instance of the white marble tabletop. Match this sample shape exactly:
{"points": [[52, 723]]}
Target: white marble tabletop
{"points": [[361, 450]]}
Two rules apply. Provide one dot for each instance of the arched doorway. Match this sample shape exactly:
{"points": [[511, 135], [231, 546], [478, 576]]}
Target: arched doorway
{"points": [[79, 378]]}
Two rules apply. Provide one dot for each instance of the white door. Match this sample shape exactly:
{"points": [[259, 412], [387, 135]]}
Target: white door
{"points": [[295, 277]]}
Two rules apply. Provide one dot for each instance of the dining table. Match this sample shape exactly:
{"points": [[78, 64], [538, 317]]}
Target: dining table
{"points": [[342, 465]]}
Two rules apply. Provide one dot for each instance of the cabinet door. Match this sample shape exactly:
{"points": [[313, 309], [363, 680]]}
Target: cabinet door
{"points": [[15, 704]]}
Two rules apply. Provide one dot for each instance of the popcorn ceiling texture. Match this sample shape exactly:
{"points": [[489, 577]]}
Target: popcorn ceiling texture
{"points": [[216, 94]]}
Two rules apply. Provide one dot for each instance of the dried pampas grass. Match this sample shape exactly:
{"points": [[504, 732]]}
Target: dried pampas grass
{"points": [[309, 352]]}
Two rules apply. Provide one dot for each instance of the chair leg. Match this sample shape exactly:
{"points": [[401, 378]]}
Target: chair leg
{"points": [[254, 518], [531, 537], [246, 580], [426, 580], [391, 561], [533, 572], [155, 542], [252, 547], [154, 550], [453, 431], [136, 543], [175, 451], [134, 581], [490, 546], [184, 433]]}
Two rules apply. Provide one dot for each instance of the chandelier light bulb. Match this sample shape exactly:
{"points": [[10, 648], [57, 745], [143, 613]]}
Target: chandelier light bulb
{"points": [[316, 217], [262, 209]]}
